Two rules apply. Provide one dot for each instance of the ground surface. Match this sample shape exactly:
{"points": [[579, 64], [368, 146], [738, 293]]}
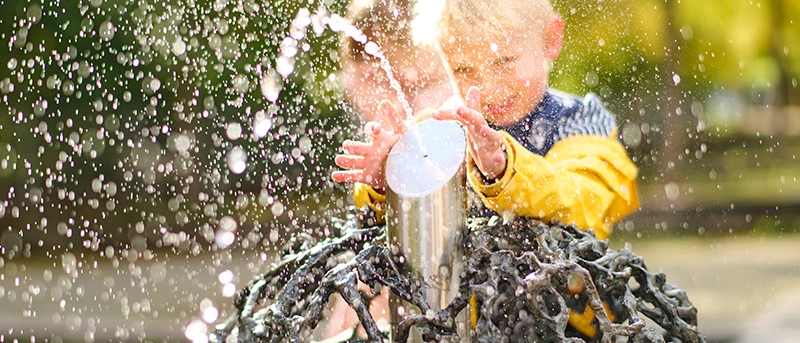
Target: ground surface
{"points": [[745, 289]]}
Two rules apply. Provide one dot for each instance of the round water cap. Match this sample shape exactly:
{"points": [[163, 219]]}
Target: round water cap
{"points": [[427, 156]]}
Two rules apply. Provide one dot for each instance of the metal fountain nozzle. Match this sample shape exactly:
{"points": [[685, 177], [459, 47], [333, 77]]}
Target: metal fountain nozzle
{"points": [[426, 215]]}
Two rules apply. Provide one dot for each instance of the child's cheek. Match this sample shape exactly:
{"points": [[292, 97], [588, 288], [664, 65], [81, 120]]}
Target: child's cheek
{"points": [[532, 77]]}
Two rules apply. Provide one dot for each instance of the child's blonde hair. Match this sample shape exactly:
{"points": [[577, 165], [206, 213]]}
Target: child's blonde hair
{"points": [[495, 17]]}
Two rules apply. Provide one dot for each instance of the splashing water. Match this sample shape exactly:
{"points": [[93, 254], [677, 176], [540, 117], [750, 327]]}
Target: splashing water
{"points": [[142, 143], [339, 24]]}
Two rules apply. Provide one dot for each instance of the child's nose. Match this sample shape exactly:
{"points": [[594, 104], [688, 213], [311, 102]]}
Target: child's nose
{"points": [[491, 84]]}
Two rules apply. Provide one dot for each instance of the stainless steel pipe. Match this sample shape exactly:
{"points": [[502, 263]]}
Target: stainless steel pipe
{"points": [[426, 215]]}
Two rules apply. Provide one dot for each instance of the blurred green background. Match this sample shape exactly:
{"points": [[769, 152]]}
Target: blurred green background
{"points": [[195, 136]]}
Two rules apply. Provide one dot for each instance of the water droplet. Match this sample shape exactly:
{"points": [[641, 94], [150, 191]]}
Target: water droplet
{"points": [[158, 271], [277, 209], [6, 86], [210, 314], [228, 290], [261, 124], [68, 87], [591, 79], [233, 131], [34, 13], [631, 134], [274, 235], [687, 32], [226, 276], [224, 239], [155, 84], [237, 160], [289, 47], [39, 107], [271, 86], [372, 48], [672, 191], [214, 42], [220, 5], [179, 47], [107, 30], [8, 160], [196, 332], [241, 84], [284, 66], [676, 79], [305, 144], [227, 223]]}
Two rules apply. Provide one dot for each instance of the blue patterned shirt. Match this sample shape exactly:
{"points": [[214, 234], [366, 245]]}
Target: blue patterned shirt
{"points": [[560, 115]]}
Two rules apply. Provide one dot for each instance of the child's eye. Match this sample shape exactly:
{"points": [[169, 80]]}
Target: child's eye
{"points": [[505, 60], [462, 70]]}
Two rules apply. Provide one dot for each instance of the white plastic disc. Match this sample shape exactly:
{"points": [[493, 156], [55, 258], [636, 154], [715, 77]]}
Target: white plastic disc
{"points": [[425, 158]]}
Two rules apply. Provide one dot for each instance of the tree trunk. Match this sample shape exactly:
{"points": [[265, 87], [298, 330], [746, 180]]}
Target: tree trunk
{"points": [[675, 120]]}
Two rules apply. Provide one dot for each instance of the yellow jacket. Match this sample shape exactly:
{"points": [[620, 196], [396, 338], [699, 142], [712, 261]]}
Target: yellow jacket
{"points": [[586, 180]]}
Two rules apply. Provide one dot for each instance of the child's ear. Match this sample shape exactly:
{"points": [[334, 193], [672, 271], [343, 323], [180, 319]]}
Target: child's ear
{"points": [[554, 37]]}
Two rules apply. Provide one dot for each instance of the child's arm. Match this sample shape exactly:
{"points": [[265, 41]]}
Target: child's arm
{"points": [[484, 143], [585, 180]]}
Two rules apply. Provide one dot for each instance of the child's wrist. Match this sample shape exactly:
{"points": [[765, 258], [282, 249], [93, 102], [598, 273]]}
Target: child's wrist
{"points": [[490, 178]]}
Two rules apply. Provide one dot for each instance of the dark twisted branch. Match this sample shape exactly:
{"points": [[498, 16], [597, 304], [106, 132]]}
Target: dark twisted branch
{"points": [[521, 272]]}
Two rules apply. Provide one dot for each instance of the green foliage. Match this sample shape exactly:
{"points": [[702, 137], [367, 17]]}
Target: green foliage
{"points": [[118, 113]]}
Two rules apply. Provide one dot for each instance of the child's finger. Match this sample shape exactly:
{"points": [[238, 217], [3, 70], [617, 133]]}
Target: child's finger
{"points": [[349, 161], [473, 98], [356, 148], [372, 129], [348, 175], [490, 135], [487, 142], [471, 118], [393, 117], [499, 158], [448, 114]]}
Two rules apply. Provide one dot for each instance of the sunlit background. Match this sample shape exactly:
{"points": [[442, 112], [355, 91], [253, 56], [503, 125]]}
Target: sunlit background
{"points": [[155, 155]]}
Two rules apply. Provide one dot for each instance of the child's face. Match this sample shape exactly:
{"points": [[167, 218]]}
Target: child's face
{"points": [[366, 84], [511, 70]]}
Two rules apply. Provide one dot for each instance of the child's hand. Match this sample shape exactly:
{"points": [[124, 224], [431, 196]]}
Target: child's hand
{"points": [[485, 144], [366, 160]]}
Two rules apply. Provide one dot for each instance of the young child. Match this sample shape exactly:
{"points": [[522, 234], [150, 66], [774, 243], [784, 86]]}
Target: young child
{"points": [[533, 151], [420, 71], [425, 81]]}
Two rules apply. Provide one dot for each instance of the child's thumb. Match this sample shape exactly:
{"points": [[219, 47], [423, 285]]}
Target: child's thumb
{"points": [[473, 98]]}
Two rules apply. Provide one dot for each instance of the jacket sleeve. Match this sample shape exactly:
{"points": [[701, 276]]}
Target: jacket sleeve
{"points": [[586, 180], [365, 195]]}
